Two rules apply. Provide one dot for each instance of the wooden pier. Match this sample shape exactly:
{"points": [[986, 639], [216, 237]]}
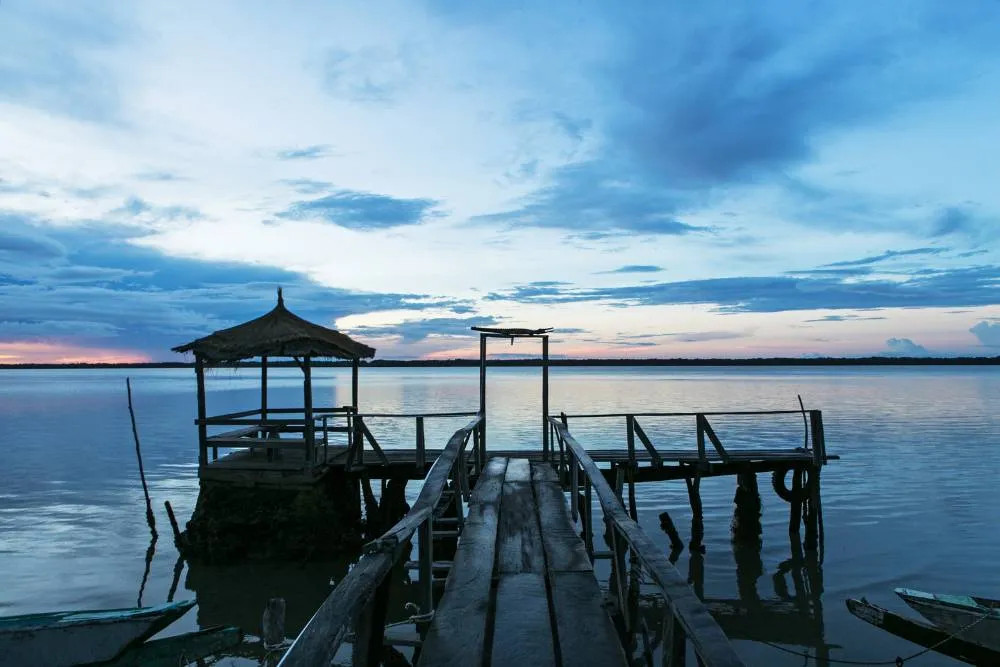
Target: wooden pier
{"points": [[511, 530], [520, 587]]}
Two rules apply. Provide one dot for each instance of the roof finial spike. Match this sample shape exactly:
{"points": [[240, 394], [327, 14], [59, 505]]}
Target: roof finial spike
{"points": [[281, 299]]}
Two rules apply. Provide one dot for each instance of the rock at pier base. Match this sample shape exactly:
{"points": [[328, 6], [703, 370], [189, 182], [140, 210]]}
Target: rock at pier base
{"points": [[234, 522]]}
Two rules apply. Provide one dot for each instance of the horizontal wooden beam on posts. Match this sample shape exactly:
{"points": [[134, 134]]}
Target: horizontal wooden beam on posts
{"points": [[707, 638], [318, 642], [746, 413], [412, 415]]}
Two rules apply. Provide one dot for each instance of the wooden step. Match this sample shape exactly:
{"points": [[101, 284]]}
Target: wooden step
{"points": [[436, 566]]}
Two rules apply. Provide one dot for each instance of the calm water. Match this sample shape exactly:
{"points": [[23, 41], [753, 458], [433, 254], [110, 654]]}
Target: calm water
{"points": [[910, 504]]}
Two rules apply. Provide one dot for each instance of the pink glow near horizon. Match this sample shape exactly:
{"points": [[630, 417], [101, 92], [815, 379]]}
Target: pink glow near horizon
{"points": [[37, 352]]}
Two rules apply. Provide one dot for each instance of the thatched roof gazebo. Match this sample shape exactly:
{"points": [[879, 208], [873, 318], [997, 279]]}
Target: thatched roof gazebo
{"points": [[278, 333]]}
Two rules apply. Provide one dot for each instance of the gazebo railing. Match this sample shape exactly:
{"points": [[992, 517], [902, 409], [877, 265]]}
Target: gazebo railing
{"points": [[263, 429]]}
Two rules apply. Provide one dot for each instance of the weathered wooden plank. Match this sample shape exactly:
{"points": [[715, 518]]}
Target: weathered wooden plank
{"points": [[519, 540], [543, 472], [564, 550], [586, 633], [522, 630], [457, 635], [518, 470]]}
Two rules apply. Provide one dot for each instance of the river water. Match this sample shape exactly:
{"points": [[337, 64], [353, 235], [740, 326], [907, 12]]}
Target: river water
{"points": [[911, 502]]}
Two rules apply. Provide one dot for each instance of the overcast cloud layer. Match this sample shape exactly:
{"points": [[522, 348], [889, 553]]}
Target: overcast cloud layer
{"points": [[660, 180]]}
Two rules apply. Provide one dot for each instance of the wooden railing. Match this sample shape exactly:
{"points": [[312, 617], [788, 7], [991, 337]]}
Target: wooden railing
{"points": [[360, 599], [812, 442], [361, 435], [689, 621], [263, 429]]}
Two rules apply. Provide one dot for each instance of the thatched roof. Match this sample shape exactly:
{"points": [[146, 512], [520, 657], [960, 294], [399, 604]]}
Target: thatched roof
{"points": [[279, 333]]}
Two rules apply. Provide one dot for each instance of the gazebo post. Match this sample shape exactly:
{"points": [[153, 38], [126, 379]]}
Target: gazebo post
{"points": [[545, 397], [482, 396], [263, 390], [354, 384], [308, 395], [199, 371]]}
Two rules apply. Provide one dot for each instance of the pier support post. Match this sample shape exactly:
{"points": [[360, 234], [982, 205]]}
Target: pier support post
{"points": [[273, 623], [697, 518], [746, 526], [795, 511], [812, 512]]}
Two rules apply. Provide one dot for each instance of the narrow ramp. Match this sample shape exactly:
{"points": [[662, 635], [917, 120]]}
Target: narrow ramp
{"points": [[521, 590]]}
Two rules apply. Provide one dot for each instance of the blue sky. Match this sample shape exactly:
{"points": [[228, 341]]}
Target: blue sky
{"points": [[735, 179]]}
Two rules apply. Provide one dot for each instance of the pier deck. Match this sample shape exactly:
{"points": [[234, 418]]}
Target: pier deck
{"points": [[521, 589]]}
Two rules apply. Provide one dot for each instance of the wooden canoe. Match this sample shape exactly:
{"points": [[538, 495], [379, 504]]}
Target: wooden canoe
{"points": [[923, 634], [66, 638], [974, 619]]}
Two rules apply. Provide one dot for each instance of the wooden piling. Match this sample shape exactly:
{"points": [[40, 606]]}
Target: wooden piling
{"points": [[746, 526], [150, 519], [795, 506], [697, 517], [273, 623]]}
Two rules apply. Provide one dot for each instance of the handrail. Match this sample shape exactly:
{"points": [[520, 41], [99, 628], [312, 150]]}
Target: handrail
{"points": [[411, 415], [691, 618], [686, 414], [319, 640]]}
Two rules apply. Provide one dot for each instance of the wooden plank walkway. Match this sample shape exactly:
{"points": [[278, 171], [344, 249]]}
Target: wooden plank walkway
{"points": [[521, 590]]}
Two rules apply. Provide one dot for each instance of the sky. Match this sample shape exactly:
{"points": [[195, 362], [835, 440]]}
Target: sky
{"points": [[662, 179]]}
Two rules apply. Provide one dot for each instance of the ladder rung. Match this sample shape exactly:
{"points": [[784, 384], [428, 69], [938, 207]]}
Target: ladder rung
{"points": [[444, 533], [438, 565]]}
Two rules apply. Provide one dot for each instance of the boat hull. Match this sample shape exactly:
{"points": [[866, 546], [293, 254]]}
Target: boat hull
{"points": [[73, 638], [964, 616]]}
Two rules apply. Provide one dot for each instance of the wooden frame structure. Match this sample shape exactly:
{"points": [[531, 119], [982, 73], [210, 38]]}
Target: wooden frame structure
{"points": [[511, 334], [278, 333]]}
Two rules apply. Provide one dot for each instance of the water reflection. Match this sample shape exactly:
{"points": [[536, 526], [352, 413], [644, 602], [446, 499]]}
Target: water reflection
{"points": [[791, 613]]}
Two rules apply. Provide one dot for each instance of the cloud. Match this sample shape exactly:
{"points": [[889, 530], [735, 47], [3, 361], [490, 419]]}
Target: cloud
{"points": [[692, 104], [597, 198], [636, 268], [55, 58], [305, 153], [701, 336], [135, 207], [362, 210], [904, 347], [988, 333], [371, 75], [888, 254], [22, 246], [416, 330], [971, 286], [308, 186], [95, 286], [843, 318]]}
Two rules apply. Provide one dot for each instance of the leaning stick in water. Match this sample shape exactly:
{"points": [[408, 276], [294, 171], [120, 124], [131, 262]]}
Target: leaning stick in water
{"points": [[150, 519]]}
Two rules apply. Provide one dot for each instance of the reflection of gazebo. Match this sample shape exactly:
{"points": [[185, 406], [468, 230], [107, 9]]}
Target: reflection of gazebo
{"points": [[279, 333]]}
